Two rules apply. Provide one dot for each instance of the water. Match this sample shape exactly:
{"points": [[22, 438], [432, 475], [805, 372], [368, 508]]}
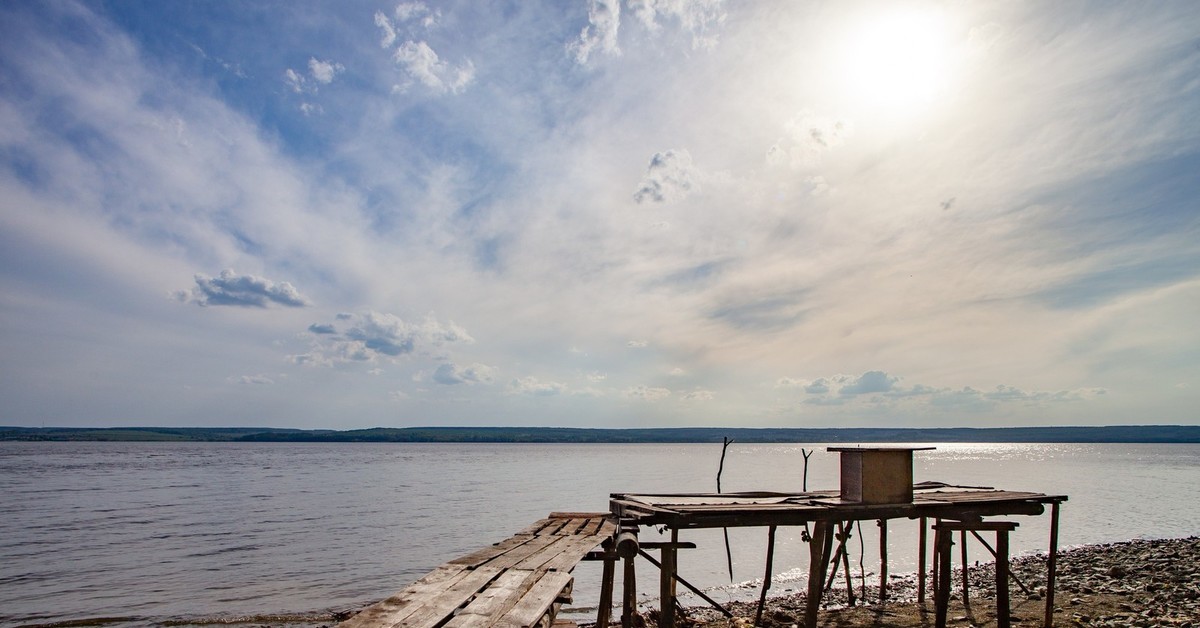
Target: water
{"points": [[154, 533]]}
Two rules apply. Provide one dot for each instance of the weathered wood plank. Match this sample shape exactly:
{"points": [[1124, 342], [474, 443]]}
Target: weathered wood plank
{"points": [[400, 605], [572, 551], [479, 557], [493, 602], [516, 555], [432, 609], [537, 602]]}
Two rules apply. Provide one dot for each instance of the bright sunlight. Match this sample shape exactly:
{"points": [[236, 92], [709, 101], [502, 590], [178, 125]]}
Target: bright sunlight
{"points": [[897, 62]]}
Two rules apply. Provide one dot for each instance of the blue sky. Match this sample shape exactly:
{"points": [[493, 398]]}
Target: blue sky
{"points": [[599, 214]]}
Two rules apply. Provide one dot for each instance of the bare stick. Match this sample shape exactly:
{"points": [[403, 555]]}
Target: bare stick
{"points": [[725, 442]]}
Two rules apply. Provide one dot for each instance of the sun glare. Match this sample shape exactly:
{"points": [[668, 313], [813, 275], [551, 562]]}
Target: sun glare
{"points": [[897, 62]]}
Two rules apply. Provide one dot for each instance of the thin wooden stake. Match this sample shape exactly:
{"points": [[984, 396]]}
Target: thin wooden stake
{"points": [[846, 563], [725, 442], [762, 596]]}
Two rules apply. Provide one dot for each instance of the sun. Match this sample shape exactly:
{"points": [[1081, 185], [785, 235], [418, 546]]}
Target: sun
{"points": [[898, 62]]}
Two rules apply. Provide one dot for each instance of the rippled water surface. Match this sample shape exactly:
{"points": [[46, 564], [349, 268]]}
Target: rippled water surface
{"points": [[152, 533]]}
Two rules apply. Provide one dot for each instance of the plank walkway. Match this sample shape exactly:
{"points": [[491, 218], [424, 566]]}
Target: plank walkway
{"points": [[519, 582]]}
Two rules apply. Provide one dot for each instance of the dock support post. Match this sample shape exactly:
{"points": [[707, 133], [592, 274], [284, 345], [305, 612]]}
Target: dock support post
{"points": [[1002, 611], [1051, 564], [604, 613], [666, 583], [818, 554], [921, 562], [943, 540], [629, 594], [883, 561], [966, 579]]}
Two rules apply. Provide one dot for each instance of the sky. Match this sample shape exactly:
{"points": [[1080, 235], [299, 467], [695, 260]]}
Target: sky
{"points": [[605, 213]]}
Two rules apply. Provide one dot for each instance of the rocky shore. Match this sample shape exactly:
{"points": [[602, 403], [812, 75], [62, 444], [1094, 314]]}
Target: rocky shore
{"points": [[1137, 583]]}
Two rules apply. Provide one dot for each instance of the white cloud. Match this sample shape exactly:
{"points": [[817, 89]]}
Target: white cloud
{"points": [[604, 21], [388, 32], [416, 11], [698, 394], [294, 80], [450, 374], [637, 344], [324, 71], [378, 335], [647, 393], [532, 386], [422, 64], [253, 380], [230, 288], [701, 18], [669, 177], [807, 136]]}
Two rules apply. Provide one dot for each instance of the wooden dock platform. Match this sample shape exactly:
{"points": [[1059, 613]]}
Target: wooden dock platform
{"points": [[519, 582]]}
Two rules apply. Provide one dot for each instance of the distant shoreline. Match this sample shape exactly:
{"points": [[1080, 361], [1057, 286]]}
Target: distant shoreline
{"points": [[1059, 434]]}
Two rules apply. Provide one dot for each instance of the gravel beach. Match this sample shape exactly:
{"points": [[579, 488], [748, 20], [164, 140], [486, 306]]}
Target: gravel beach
{"points": [[1135, 583]]}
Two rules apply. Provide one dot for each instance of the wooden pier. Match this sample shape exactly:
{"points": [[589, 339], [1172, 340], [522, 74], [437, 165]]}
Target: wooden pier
{"points": [[522, 581], [826, 511], [517, 583]]}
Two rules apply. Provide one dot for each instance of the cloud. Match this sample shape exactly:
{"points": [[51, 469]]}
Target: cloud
{"points": [[878, 387], [701, 18], [294, 80], [669, 177], [450, 374], [867, 383], [388, 36], [647, 393], [253, 380], [415, 56], [422, 64], [604, 21], [230, 288], [532, 386], [416, 11], [637, 344], [375, 335], [324, 71], [807, 136], [818, 386], [698, 394]]}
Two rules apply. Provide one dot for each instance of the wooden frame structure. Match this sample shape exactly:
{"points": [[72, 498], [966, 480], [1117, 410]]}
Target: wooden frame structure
{"points": [[824, 510]]}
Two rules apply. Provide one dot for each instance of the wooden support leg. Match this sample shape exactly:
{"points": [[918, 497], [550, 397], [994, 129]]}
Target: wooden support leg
{"points": [[604, 613], [941, 595], [818, 554], [883, 561], [629, 594], [937, 535], [921, 561], [1002, 611], [762, 597], [666, 587], [1051, 565], [966, 584]]}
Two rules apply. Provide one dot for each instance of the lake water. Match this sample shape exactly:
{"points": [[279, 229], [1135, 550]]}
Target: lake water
{"points": [[156, 533]]}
